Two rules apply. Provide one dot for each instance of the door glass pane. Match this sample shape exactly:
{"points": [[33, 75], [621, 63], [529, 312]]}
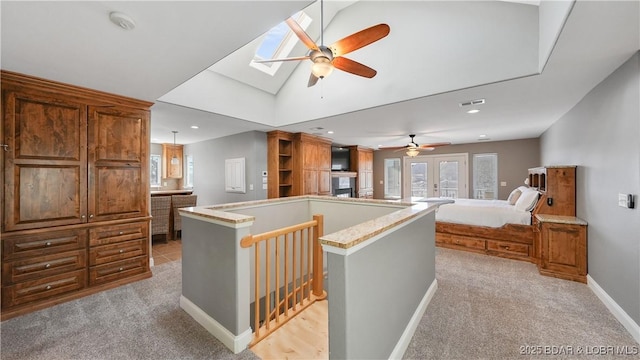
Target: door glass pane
{"points": [[449, 179], [419, 183], [392, 178], [485, 176]]}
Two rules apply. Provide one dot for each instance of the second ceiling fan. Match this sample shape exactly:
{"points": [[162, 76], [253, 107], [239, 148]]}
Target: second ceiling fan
{"points": [[325, 58]]}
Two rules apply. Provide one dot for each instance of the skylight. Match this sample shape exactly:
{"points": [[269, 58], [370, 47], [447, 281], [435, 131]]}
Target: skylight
{"points": [[278, 43]]}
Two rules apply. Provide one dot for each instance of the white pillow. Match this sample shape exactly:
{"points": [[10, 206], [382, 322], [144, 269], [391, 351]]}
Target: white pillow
{"points": [[527, 200], [514, 196]]}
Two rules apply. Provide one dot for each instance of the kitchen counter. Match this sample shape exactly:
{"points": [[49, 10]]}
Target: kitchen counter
{"points": [[171, 192]]}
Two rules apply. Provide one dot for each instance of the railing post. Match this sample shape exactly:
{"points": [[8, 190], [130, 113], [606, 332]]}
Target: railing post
{"points": [[318, 268]]}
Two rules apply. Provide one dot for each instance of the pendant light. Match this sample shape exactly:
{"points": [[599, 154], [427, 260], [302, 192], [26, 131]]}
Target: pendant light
{"points": [[174, 158]]}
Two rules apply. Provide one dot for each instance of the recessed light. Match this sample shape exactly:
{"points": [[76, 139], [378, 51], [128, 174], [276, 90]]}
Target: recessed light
{"points": [[195, 127], [329, 132], [483, 135], [473, 111]]}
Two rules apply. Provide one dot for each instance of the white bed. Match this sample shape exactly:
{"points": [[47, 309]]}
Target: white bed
{"points": [[491, 213]]}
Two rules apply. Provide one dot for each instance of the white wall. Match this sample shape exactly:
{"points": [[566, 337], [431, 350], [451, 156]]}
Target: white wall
{"points": [[208, 160]]}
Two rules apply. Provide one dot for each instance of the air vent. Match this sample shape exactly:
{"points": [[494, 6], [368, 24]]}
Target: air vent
{"points": [[472, 102], [316, 128]]}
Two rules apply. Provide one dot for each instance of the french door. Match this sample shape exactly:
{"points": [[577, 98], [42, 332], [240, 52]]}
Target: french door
{"points": [[444, 176]]}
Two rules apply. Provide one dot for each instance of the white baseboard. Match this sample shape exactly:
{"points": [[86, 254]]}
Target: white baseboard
{"points": [[632, 327], [403, 342], [234, 343]]}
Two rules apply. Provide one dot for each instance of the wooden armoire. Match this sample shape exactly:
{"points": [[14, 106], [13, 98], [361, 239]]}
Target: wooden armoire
{"points": [[75, 192]]}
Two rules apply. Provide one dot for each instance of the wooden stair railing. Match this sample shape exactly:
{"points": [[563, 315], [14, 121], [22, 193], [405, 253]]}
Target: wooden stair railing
{"points": [[301, 283]]}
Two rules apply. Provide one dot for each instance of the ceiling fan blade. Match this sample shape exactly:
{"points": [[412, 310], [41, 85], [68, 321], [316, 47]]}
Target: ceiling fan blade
{"points": [[353, 67], [312, 80], [396, 148], [434, 145], [283, 59], [299, 31], [360, 39]]}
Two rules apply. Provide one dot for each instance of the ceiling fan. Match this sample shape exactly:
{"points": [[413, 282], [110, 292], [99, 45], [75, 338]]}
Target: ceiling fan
{"points": [[413, 149], [325, 58]]}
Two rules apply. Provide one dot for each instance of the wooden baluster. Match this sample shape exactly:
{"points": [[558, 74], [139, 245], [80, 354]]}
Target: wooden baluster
{"points": [[295, 287], [318, 268], [267, 302], [257, 290], [286, 275], [309, 260], [277, 266]]}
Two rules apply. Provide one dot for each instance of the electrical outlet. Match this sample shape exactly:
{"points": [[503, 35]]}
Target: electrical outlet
{"points": [[250, 186], [503, 183]]}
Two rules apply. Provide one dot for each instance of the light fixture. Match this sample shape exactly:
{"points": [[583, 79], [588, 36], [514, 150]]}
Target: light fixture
{"points": [[330, 132], [122, 20], [195, 126], [473, 111], [321, 67], [412, 152], [174, 158]]}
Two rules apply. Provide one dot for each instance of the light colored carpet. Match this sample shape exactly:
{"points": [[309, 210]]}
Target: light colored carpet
{"points": [[142, 320], [490, 308], [484, 308]]}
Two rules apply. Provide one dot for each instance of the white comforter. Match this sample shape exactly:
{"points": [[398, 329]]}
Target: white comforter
{"points": [[491, 213]]}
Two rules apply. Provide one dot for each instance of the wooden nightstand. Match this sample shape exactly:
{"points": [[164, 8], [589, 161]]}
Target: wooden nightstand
{"points": [[563, 247]]}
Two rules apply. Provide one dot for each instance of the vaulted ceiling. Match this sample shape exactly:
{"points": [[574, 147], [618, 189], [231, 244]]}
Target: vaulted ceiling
{"points": [[530, 62]]}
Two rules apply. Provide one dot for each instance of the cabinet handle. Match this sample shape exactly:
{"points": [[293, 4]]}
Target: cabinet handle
{"points": [[121, 251], [48, 243], [121, 232], [83, 217], [504, 247], [120, 269], [47, 266], [48, 287], [91, 216]]}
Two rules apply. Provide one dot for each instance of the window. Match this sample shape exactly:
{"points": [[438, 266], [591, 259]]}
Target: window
{"points": [[392, 177], [278, 43], [155, 174], [188, 171], [485, 176]]}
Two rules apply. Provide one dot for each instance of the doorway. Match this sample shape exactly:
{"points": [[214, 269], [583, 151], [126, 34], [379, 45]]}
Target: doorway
{"points": [[440, 176]]}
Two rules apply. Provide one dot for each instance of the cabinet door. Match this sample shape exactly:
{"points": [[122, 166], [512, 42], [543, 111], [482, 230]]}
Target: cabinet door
{"points": [[564, 248], [324, 157], [172, 161], [309, 155], [118, 163], [45, 162], [324, 182], [310, 186]]}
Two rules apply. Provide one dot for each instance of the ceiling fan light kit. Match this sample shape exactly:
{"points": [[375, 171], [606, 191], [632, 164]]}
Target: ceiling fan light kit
{"points": [[412, 149], [325, 59]]}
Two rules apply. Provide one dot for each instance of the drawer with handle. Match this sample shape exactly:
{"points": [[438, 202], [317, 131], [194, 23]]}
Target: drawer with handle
{"points": [[113, 252], [43, 288], [507, 247], [42, 266], [118, 270], [29, 245], [118, 233]]}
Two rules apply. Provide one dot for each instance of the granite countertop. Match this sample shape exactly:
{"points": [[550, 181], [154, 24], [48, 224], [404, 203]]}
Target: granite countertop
{"points": [[560, 219]]}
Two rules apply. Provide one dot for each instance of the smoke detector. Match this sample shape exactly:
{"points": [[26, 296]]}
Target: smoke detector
{"points": [[122, 20]]}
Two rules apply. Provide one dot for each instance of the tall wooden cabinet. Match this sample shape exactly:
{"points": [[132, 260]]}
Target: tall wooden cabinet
{"points": [[361, 161], [298, 164], [76, 163]]}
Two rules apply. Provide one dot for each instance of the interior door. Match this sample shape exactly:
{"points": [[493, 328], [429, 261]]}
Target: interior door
{"points": [[444, 176]]}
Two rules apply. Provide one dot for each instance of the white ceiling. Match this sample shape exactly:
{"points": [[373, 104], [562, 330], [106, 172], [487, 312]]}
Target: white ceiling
{"points": [[437, 55]]}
